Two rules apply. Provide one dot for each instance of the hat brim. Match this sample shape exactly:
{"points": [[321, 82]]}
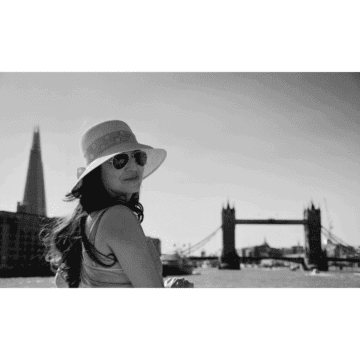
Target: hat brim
{"points": [[155, 157]]}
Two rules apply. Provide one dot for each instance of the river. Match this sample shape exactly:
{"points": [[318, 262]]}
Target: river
{"points": [[245, 278]]}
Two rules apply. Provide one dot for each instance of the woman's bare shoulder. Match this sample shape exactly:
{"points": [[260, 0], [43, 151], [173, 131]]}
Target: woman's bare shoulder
{"points": [[118, 211], [117, 219], [112, 214], [124, 236]]}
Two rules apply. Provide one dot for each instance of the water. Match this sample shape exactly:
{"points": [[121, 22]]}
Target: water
{"points": [[245, 278], [35, 282], [274, 278]]}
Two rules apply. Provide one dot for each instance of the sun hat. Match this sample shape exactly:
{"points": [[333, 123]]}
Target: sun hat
{"points": [[108, 138]]}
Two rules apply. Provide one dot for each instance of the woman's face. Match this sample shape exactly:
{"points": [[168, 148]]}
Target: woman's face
{"points": [[126, 180]]}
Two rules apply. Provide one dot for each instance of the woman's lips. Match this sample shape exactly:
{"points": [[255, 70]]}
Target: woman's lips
{"points": [[134, 178]]}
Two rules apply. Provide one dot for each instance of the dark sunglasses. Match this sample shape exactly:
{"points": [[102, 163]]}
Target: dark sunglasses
{"points": [[120, 160]]}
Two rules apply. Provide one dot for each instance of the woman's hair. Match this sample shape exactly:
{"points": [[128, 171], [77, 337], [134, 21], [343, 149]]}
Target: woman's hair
{"points": [[63, 238]]}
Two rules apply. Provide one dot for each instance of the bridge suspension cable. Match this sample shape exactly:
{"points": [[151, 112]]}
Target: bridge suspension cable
{"points": [[201, 243], [334, 238]]}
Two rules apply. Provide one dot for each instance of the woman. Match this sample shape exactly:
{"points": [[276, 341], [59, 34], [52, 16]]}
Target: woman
{"points": [[102, 243]]}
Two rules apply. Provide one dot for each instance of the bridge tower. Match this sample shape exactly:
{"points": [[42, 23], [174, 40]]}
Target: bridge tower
{"points": [[229, 257], [314, 254]]}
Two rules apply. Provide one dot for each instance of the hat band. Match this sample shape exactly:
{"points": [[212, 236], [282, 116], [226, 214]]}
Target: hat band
{"points": [[105, 142]]}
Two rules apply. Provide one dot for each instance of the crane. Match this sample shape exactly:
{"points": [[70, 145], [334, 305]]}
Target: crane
{"points": [[329, 218]]}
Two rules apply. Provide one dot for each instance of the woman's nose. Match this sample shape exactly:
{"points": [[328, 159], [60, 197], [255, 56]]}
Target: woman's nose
{"points": [[131, 163]]}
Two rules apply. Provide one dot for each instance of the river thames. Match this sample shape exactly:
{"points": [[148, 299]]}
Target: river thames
{"points": [[245, 278]]}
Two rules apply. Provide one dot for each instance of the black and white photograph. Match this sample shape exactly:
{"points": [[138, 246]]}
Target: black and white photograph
{"points": [[179, 180], [254, 180]]}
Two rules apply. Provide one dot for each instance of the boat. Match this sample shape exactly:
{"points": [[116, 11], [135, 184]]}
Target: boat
{"points": [[174, 264]]}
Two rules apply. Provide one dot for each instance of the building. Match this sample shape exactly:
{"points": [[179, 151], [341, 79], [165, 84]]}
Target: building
{"points": [[21, 251], [263, 250], [293, 250], [246, 252], [34, 196], [338, 250]]}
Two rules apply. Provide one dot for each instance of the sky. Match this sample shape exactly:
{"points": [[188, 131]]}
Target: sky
{"points": [[269, 143]]}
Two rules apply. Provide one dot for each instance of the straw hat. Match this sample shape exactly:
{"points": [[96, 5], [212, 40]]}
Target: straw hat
{"points": [[106, 139]]}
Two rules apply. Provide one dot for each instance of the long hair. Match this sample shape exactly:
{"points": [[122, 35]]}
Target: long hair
{"points": [[63, 238]]}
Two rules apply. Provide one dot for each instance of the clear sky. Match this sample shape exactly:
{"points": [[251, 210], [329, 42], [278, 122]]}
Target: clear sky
{"points": [[269, 142]]}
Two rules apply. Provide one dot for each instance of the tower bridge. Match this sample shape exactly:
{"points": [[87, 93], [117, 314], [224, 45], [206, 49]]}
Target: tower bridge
{"points": [[314, 254]]}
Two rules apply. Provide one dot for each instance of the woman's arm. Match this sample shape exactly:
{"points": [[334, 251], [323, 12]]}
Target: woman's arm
{"points": [[178, 283], [121, 231]]}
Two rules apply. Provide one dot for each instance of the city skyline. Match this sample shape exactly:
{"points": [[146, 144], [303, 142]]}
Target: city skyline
{"points": [[267, 143]]}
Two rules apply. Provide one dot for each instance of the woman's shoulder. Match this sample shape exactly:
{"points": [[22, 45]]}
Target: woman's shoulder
{"points": [[117, 217], [118, 210], [120, 225], [111, 211]]}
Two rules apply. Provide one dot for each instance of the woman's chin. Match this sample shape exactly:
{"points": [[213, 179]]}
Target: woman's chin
{"points": [[133, 187], [130, 190]]}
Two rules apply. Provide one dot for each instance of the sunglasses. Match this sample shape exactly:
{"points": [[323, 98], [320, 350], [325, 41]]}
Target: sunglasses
{"points": [[120, 160]]}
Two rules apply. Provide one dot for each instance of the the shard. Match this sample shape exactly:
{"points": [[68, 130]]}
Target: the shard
{"points": [[34, 196]]}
